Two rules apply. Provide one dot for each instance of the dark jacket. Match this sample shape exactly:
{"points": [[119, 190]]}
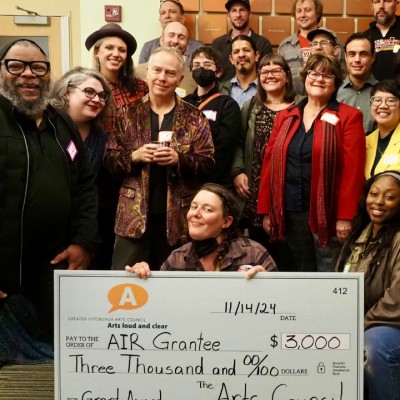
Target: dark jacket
{"points": [[223, 45], [385, 62], [14, 186], [223, 114]]}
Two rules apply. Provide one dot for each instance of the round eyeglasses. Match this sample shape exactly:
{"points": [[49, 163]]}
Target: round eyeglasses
{"points": [[17, 67], [90, 93], [314, 75], [391, 101]]}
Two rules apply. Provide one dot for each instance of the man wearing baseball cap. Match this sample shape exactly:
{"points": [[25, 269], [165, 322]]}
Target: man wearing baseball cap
{"points": [[238, 15], [323, 41], [296, 49]]}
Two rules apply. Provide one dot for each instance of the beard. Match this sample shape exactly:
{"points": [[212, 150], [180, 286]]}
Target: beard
{"points": [[30, 108], [240, 25], [385, 20]]}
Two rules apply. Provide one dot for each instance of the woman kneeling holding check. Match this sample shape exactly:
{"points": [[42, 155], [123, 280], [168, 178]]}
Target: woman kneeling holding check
{"points": [[373, 247], [216, 244]]}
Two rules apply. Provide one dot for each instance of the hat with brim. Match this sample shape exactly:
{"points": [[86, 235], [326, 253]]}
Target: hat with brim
{"points": [[230, 3], [311, 35], [112, 30]]}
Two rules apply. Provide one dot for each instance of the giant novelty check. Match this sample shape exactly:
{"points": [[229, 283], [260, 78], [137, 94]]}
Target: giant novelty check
{"points": [[208, 336]]}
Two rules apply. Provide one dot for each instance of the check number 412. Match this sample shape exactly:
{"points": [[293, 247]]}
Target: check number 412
{"points": [[340, 290]]}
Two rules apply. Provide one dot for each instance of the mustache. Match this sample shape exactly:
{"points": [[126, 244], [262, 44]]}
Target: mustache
{"points": [[29, 84], [244, 58]]}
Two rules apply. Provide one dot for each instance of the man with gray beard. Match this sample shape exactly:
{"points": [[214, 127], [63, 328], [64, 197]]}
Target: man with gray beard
{"points": [[47, 203]]}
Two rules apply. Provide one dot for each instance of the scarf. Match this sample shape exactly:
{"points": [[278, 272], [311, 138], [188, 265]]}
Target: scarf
{"points": [[326, 218]]}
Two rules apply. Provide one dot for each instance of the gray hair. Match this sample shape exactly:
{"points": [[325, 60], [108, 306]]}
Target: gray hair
{"points": [[72, 79], [173, 52]]}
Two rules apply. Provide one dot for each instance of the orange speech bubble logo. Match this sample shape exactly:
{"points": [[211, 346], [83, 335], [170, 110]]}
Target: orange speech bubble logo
{"points": [[127, 296]]}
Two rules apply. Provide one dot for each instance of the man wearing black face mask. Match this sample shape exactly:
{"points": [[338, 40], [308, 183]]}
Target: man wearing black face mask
{"points": [[222, 112]]}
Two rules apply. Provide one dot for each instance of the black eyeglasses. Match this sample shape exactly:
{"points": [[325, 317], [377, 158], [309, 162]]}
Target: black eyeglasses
{"points": [[17, 67], [90, 93]]}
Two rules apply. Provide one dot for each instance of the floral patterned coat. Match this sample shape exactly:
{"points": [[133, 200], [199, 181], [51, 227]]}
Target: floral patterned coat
{"points": [[191, 139]]}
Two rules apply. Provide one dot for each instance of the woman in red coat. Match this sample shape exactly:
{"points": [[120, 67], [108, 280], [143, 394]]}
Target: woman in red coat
{"points": [[312, 173]]}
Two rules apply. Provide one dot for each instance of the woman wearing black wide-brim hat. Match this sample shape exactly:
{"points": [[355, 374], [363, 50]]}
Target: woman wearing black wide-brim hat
{"points": [[113, 48]]}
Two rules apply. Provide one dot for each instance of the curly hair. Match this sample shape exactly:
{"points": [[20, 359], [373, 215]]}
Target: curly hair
{"points": [[360, 222], [230, 207], [72, 79]]}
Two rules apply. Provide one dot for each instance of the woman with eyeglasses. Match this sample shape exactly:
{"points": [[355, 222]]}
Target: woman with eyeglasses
{"points": [[313, 170], [383, 152], [274, 94], [85, 95]]}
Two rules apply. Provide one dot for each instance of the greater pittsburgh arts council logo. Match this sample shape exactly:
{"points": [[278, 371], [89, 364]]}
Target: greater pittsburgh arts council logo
{"points": [[127, 296]]}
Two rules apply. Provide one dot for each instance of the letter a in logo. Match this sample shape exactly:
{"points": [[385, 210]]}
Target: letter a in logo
{"points": [[127, 296]]}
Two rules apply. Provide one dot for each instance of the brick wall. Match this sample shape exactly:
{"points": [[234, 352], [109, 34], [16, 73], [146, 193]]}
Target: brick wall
{"points": [[206, 19]]}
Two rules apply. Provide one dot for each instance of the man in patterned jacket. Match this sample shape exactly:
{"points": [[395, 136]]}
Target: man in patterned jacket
{"points": [[163, 147]]}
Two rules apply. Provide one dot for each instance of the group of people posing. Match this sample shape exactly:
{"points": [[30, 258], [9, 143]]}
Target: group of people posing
{"points": [[102, 169]]}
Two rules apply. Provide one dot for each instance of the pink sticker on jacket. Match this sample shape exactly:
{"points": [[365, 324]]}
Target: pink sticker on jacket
{"points": [[72, 150]]}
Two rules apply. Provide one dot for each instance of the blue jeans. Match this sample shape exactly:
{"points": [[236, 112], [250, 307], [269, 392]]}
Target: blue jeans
{"points": [[382, 363]]}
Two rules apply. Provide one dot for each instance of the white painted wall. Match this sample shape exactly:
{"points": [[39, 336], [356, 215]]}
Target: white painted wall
{"points": [[139, 17]]}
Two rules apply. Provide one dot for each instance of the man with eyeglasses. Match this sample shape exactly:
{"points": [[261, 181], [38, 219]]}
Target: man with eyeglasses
{"points": [[296, 48], [238, 14], [385, 34], [48, 202], [322, 40], [356, 88], [170, 11], [222, 112]]}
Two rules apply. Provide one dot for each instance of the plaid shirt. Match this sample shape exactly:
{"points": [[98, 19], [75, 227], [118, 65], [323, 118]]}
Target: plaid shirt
{"points": [[122, 97], [290, 50]]}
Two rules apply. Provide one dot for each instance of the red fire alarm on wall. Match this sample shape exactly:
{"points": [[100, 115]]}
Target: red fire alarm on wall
{"points": [[112, 13]]}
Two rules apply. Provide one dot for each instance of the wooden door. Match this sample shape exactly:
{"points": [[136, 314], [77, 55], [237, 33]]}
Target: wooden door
{"points": [[53, 38]]}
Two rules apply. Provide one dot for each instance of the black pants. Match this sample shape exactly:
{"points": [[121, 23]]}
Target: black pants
{"points": [[152, 247]]}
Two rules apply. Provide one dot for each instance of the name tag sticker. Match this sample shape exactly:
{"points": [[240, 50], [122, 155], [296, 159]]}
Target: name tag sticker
{"points": [[390, 159], [181, 92], [330, 118], [210, 114], [72, 150], [396, 48]]}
